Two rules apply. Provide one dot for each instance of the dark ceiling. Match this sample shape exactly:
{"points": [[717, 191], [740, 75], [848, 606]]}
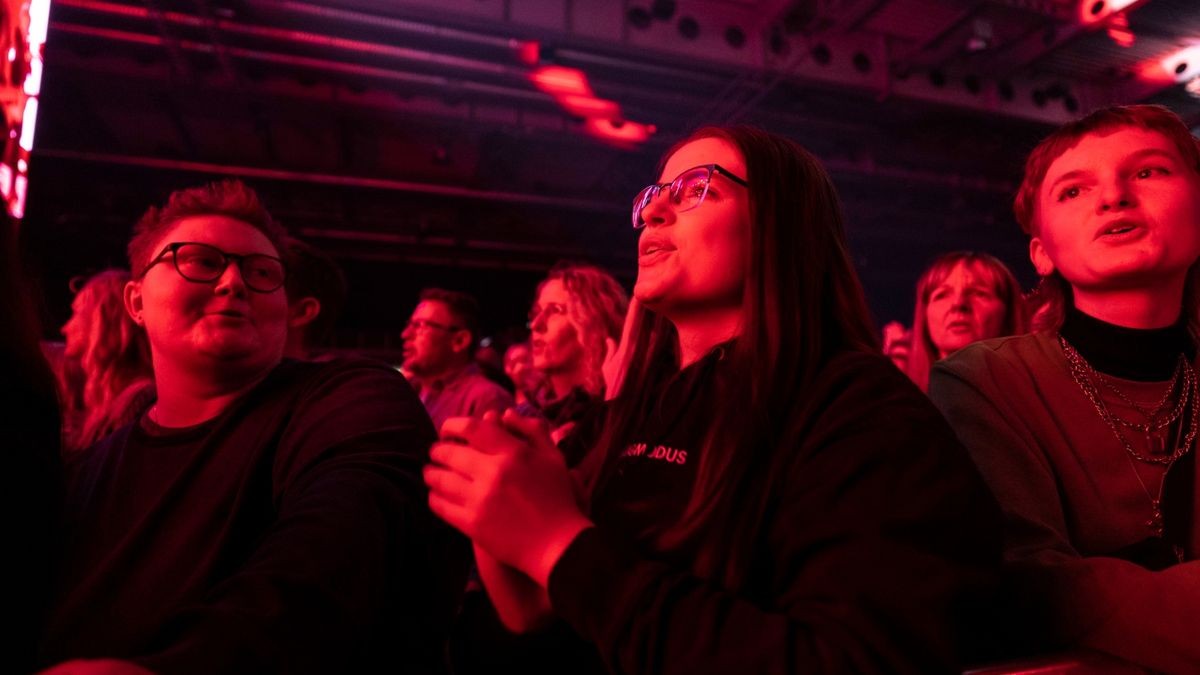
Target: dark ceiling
{"points": [[411, 140]]}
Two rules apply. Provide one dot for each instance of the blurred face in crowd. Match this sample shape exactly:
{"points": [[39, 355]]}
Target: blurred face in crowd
{"points": [[518, 366], [76, 330], [962, 309], [695, 259], [555, 341], [433, 339], [214, 325], [1119, 210]]}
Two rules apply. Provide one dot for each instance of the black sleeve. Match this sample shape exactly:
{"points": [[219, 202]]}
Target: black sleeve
{"points": [[353, 553], [882, 532], [32, 496]]}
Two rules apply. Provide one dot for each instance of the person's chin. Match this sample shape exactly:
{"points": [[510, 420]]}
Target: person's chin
{"points": [[650, 292], [956, 344], [235, 348]]}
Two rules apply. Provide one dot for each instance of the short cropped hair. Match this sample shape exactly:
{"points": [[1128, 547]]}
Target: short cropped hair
{"points": [[230, 198], [1049, 300], [1149, 117], [463, 306], [312, 274]]}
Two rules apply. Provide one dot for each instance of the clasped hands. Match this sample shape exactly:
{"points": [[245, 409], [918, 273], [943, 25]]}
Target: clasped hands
{"points": [[501, 481]]}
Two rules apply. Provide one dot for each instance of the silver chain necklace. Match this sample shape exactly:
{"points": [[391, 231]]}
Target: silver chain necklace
{"points": [[1086, 377]]}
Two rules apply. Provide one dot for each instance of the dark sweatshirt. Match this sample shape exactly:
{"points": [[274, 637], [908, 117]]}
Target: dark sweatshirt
{"points": [[879, 537], [289, 534], [1086, 566]]}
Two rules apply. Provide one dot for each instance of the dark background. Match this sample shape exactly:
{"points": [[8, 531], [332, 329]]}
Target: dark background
{"points": [[408, 140]]}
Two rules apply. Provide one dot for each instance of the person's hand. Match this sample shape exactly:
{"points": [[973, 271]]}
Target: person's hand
{"points": [[897, 343], [501, 481], [616, 356], [96, 667]]}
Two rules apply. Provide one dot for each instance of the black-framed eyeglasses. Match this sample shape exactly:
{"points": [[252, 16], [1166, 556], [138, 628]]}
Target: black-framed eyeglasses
{"points": [[203, 263], [423, 324], [686, 192]]}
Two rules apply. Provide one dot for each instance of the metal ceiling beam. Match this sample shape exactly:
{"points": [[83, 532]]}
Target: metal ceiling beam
{"points": [[333, 179]]}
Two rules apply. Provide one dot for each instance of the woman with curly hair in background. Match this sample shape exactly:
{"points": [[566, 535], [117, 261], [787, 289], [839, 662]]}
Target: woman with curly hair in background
{"points": [[107, 380]]}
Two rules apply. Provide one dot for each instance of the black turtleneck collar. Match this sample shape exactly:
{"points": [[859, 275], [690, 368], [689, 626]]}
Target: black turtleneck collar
{"points": [[1129, 353]]}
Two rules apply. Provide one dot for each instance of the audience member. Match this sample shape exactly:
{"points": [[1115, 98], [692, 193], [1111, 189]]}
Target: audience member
{"points": [[1086, 429], [263, 515], [962, 297], [527, 381], [439, 341], [576, 321], [32, 464], [109, 354], [316, 293], [767, 493]]}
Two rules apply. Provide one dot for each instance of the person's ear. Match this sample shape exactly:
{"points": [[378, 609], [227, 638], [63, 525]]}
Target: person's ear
{"points": [[1040, 259], [133, 301], [303, 312], [461, 341]]}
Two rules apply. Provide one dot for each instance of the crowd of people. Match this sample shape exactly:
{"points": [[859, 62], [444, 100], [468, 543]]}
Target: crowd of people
{"points": [[725, 470]]}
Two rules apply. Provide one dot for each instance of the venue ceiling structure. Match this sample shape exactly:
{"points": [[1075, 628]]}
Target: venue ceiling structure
{"points": [[486, 139]]}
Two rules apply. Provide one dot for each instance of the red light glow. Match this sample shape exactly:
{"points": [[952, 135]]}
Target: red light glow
{"points": [[19, 89], [570, 88], [1119, 31], [1183, 65], [590, 106], [1092, 11], [620, 133], [529, 52], [560, 81]]}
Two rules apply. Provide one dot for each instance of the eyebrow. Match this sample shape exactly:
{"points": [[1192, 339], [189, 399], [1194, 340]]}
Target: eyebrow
{"points": [[1133, 157]]}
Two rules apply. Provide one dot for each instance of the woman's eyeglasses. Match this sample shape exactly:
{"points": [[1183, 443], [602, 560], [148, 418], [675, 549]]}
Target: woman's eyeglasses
{"points": [[686, 192], [202, 263]]}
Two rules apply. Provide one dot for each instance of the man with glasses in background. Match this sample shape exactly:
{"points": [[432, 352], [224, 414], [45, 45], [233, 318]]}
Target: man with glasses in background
{"points": [[264, 515], [439, 347]]}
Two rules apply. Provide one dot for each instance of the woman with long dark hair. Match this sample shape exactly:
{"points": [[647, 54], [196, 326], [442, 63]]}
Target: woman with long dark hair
{"points": [[767, 494]]}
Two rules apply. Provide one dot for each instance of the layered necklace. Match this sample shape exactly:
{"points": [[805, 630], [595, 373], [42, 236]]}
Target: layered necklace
{"points": [[1178, 410]]}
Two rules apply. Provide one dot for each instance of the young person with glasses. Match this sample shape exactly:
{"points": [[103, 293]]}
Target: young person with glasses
{"points": [[767, 492], [264, 515], [1086, 428], [439, 351]]}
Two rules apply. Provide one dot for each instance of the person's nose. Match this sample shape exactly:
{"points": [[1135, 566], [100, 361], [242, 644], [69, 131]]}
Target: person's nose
{"points": [[659, 211], [231, 282], [538, 323], [962, 302], [1116, 194]]}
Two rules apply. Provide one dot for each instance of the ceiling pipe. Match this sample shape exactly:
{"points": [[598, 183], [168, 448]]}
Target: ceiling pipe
{"points": [[333, 179]]}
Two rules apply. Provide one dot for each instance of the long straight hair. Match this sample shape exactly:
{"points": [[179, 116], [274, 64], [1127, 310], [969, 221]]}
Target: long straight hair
{"points": [[801, 303]]}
